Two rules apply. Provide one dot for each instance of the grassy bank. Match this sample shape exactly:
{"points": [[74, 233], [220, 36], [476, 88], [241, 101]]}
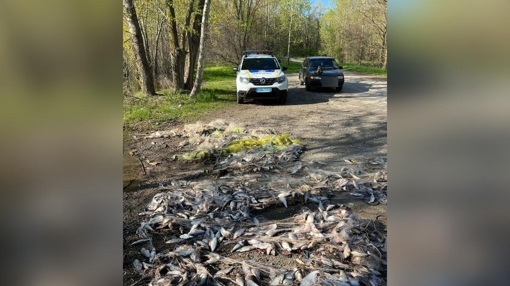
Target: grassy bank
{"points": [[148, 112], [365, 69]]}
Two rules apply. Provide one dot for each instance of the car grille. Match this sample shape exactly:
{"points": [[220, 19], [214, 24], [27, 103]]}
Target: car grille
{"points": [[267, 81]]}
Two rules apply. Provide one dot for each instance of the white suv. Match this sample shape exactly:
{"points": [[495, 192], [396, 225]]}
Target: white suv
{"points": [[260, 76]]}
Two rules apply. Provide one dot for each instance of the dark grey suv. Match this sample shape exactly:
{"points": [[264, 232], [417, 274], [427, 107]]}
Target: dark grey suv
{"points": [[321, 72]]}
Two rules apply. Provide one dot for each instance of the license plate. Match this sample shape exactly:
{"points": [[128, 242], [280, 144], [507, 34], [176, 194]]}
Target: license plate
{"points": [[263, 90]]}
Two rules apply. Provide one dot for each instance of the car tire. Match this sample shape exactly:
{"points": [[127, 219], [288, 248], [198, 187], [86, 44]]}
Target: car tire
{"points": [[239, 99], [307, 85], [339, 88], [283, 98]]}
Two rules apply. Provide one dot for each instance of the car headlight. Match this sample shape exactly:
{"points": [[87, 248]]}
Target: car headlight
{"points": [[281, 79], [315, 77], [244, 80], [340, 77]]}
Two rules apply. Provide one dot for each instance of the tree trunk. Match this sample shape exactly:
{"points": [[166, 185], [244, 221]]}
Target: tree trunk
{"points": [[177, 63], [146, 78], [288, 42], [201, 52], [385, 52], [194, 43], [360, 58]]}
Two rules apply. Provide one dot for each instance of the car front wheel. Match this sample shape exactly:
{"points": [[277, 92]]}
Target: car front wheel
{"points": [[239, 99], [307, 84], [339, 88]]}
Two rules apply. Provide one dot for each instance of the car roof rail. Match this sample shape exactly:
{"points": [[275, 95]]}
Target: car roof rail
{"points": [[258, 52]]}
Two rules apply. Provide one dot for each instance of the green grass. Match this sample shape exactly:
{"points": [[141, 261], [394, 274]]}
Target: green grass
{"points": [[365, 69], [219, 73], [147, 112], [292, 67]]}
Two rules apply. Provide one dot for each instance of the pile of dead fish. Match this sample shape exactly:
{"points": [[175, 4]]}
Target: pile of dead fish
{"points": [[216, 231]]}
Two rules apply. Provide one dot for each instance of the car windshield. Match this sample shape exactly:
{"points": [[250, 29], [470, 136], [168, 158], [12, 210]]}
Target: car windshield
{"points": [[324, 63], [260, 64]]}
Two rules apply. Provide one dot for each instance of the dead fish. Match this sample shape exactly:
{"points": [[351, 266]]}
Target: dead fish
{"points": [[195, 256], [225, 232], [271, 250], [297, 274], [246, 248], [338, 264], [238, 245], [347, 251], [341, 183], [358, 253], [213, 258], [223, 272], [372, 199], [355, 194], [283, 199], [142, 230], [250, 282], [354, 176], [246, 268], [195, 231], [239, 280], [213, 244], [175, 240], [333, 218], [278, 280], [310, 279], [288, 279], [286, 246], [153, 255], [186, 236], [299, 245], [145, 252], [156, 219], [262, 245], [296, 168], [138, 266], [310, 218], [238, 233], [321, 206], [255, 272], [356, 185], [141, 240]]}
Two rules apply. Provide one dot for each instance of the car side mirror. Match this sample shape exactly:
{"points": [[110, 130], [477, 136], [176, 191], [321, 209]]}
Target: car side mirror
{"points": [[340, 67], [236, 69], [284, 68]]}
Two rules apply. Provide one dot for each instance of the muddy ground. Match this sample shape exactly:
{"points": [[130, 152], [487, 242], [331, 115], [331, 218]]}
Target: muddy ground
{"points": [[334, 126]]}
